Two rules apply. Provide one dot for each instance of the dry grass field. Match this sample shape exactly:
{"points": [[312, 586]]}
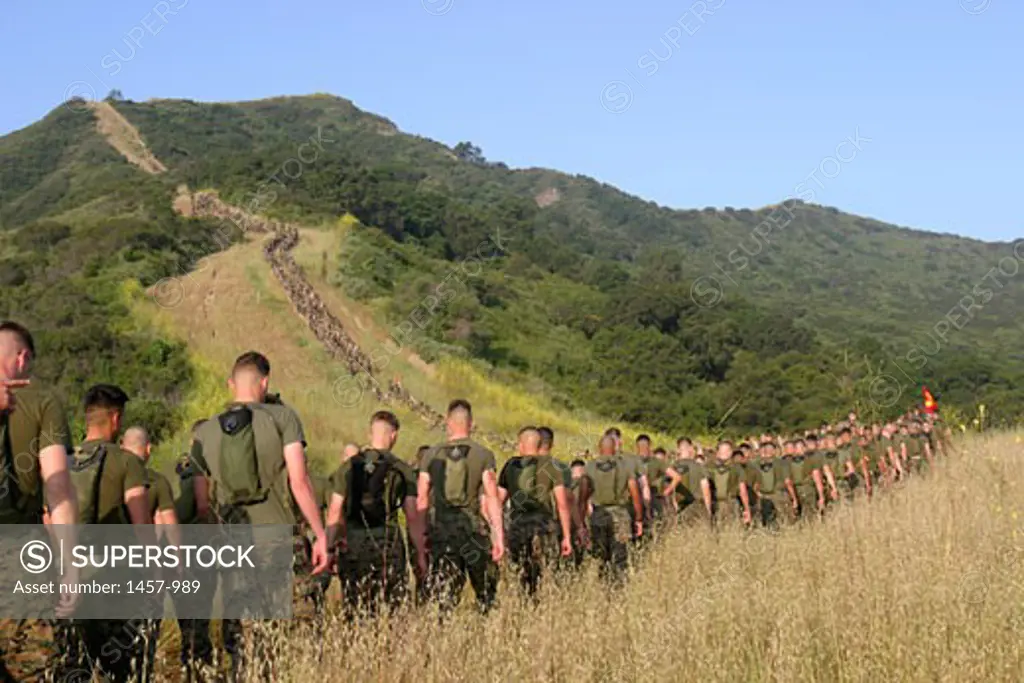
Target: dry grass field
{"points": [[924, 583]]}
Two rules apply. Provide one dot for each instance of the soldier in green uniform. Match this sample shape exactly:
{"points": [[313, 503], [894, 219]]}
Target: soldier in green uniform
{"points": [[35, 444], [111, 487], [270, 434], [919, 453], [458, 486], [161, 509], [538, 531], [805, 471], [773, 488], [822, 450], [727, 486], [842, 465], [612, 486], [368, 491], [833, 468], [691, 493]]}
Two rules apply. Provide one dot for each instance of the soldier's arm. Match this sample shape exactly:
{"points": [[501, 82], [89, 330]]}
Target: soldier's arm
{"points": [[638, 504], [866, 473], [495, 516], [819, 484], [830, 477], [416, 523], [423, 492], [674, 480], [60, 493], [336, 532], [929, 456], [564, 510], [583, 498], [705, 489], [645, 489], [302, 487], [54, 442], [745, 499], [791, 490]]}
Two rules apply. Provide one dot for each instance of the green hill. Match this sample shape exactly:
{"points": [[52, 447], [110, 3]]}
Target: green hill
{"points": [[557, 283]]}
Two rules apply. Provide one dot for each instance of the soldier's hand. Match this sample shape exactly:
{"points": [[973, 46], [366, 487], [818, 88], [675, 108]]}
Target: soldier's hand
{"points": [[7, 387], [639, 529], [497, 552], [566, 547], [834, 494], [320, 557], [747, 517], [821, 503]]}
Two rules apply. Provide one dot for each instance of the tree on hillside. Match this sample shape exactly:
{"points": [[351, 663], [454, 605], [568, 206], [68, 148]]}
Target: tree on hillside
{"points": [[115, 95], [467, 151]]}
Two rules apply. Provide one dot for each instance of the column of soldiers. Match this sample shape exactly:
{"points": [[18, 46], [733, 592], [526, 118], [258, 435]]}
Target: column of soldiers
{"points": [[463, 517]]}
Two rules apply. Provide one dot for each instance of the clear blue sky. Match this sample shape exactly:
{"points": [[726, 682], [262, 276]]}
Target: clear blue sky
{"points": [[747, 102]]}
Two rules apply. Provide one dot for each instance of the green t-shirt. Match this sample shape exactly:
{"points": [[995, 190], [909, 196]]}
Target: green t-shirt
{"points": [[547, 476], [340, 482], [122, 471], [655, 469], [610, 485], [161, 498], [771, 475], [38, 422], [692, 474], [725, 480], [801, 467], [478, 460], [271, 437]]}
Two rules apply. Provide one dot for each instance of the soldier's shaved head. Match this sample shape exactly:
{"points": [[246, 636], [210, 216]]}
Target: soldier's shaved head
{"points": [[136, 440], [459, 421], [529, 441], [17, 349], [250, 377]]}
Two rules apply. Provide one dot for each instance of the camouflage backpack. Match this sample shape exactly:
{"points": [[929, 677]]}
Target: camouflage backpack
{"points": [[451, 473], [375, 490], [525, 492], [241, 478], [86, 470], [800, 467], [610, 481]]}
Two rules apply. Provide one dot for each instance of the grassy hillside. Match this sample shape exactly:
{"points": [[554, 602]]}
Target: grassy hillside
{"points": [[579, 294]]}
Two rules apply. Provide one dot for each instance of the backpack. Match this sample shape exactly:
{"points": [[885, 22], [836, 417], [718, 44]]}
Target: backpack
{"points": [[239, 462], [86, 470], [768, 470], [610, 482], [451, 472], [525, 495], [375, 490], [721, 475]]}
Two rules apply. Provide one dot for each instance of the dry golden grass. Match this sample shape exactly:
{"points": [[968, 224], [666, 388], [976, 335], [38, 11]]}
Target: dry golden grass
{"points": [[925, 583]]}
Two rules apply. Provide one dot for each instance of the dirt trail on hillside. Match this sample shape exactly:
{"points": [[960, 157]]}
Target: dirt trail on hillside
{"points": [[307, 303], [124, 137]]}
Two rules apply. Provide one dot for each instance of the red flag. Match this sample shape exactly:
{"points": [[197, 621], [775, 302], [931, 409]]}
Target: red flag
{"points": [[930, 406]]}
